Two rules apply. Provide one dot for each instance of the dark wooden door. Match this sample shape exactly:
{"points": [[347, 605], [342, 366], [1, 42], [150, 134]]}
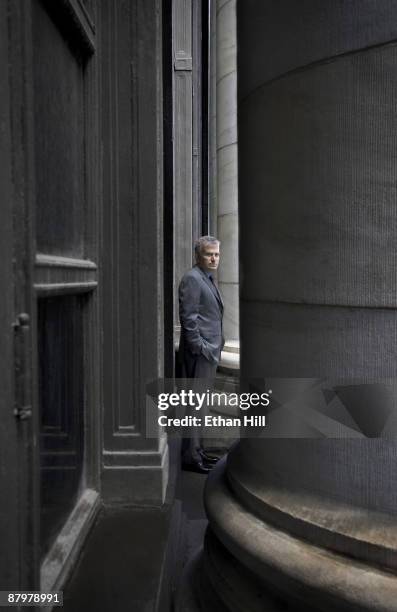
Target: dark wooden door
{"points": [[48, 275], [16, 558], [65, 263]]}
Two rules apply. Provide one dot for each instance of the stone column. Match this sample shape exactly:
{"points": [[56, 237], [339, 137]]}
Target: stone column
{"points": [[312, 523], [226, 145], [134, 467], [212, 153], [183, 145]]}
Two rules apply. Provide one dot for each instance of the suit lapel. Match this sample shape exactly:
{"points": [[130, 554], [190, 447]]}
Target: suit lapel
{"points": [[212, 286], [216, 292]]}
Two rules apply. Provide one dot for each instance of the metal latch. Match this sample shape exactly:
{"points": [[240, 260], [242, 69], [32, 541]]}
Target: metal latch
{"points": [[23, 407]]}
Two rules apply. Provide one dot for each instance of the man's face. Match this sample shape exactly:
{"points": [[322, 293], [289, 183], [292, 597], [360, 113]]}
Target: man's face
{"points": [[209, 257]]}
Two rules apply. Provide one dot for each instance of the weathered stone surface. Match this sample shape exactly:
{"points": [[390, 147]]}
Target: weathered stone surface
{"points": [[282, 37], [282, 567], [226, 145], [318, 177], [313, 521]]}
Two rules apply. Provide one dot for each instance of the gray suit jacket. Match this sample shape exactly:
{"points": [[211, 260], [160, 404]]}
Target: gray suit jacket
{"points": [[200, 314]]}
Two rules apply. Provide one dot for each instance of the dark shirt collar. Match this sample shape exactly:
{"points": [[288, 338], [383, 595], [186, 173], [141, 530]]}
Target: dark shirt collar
{"points": [[206, 272]]}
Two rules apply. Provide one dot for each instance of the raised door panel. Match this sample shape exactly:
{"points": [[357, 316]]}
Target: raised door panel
{"points": [[64, 107]]}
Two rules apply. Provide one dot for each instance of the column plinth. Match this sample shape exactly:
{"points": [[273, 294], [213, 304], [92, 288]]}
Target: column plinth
{"points": [[259, 555]]}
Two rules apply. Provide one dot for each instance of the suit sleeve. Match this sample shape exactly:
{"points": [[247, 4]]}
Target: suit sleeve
{"points": [[189, 301]]}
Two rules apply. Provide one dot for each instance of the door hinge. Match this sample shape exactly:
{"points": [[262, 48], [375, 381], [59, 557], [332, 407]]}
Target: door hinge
{"points": [[23, 407]]}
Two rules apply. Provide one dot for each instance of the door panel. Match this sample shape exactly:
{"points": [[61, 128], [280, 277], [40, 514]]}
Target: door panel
{"points": [[49, 407], [59, 138], [64, 103], [61, 399]]}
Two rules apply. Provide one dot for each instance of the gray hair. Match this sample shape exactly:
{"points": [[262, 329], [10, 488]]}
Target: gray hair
{"points": [[202, 241]]}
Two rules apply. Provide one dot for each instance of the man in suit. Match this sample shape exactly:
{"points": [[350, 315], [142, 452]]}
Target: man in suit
{"points": [[201, 341]]}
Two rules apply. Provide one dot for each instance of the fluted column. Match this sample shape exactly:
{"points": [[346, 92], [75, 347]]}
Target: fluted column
{"points": [[307, 522], [226, 147]]}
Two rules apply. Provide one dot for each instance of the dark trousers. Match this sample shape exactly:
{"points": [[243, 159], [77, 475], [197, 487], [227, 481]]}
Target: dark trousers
{"points": [[202, 371]]}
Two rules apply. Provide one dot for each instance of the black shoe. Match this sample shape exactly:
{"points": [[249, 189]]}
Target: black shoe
{"points": [[195, 466], [207, 459]]}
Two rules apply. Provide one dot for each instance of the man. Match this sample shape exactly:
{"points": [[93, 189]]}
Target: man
{"points": [[201, 342]]}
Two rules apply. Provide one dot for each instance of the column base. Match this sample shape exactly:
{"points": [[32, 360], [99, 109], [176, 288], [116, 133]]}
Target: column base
{"points": [[255, 566]]}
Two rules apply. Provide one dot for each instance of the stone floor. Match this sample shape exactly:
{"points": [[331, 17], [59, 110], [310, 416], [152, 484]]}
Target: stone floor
{"points": [[120, 565], [191, 494], [127, 560]]}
